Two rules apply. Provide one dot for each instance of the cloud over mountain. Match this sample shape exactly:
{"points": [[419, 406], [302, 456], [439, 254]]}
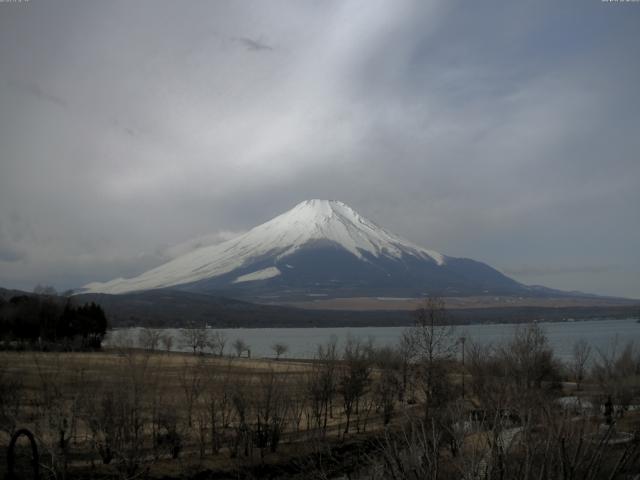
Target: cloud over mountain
{"points": [[506, 132]]}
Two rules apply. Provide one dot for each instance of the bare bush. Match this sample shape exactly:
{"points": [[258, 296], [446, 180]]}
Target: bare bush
{"points": [[321, 384], [217, 342], [617, 372], [279, 349], [354, 376], [559, 448], [240, 347], [385, 391], [167, 342], [197, 339], [58, 406], [218, 403], [517, 377], [149, 339], [530, 357], [581, 353], [270, 408], [433, 344], [191, 378], [11, 398]]}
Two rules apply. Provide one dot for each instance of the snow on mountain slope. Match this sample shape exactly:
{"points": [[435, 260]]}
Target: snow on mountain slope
{"points": [[309, 221], [263, 274]]}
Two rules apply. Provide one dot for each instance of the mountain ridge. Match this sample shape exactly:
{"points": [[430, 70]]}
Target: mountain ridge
{"points": [[319, 248]]}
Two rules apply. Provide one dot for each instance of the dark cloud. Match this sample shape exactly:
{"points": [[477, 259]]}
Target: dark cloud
{"points": [[505, 133]]}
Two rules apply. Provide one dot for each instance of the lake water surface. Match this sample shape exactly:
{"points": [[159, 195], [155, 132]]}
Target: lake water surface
{"points": [[303, 342]]}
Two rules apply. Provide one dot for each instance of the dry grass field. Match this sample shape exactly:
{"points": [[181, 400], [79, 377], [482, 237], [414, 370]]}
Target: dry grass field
{"points": [[122, 412], [362, 412], [453, 303]]}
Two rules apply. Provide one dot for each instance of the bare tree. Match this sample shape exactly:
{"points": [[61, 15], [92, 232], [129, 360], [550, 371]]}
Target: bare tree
{"points": [[11, 398], [100, 414], [217, 342], [316, 392], [385, 393], [617, 372], [518, 376], [58, 405], [240, 347], [121, 339], [191, 379], [562, 448], [219, 406], [580, 356], [298, 404], [241, 403], [354, 377], [114, 416], [149, 339], [406, 354], [321, 384], [490, 377], [270, 408], [159, 403], [133, 387], [279, 349], [169, 435], [530, 357], [196, 339], [433, 343], [167, 342], [414, 452]]}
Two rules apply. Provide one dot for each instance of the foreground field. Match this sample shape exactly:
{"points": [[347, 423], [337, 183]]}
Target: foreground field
{"points": [[511, 411], [119, 413]]}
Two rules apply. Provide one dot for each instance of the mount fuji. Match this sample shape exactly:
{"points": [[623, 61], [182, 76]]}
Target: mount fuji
{"points": [[319, 248]]}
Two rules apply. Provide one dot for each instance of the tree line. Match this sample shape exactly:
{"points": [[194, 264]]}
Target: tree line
{"points": [[48, 321]]}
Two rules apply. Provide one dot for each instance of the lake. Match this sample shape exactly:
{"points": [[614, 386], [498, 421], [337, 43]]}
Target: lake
{"points": [[303, 342]]}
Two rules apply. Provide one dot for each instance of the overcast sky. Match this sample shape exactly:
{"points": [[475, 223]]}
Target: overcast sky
{"points": [[508, 132]]}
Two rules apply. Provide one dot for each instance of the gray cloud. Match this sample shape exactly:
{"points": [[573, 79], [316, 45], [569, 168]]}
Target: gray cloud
{"points": [[253, 44], [10, 254], [174, 251], [559, 270], [32, 88], [505, 133]]}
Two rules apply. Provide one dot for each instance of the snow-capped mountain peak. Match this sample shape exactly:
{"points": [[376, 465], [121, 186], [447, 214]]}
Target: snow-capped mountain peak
{"points": [[334, 221], [318, 244]]}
